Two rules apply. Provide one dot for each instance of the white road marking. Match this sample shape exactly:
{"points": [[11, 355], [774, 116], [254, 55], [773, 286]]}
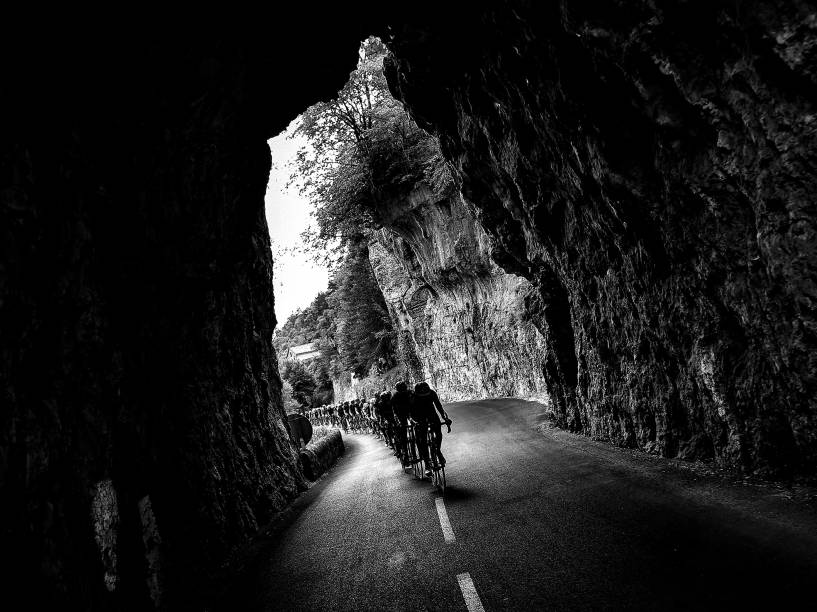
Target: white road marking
{"points": [[448, 533], [469, 593]]}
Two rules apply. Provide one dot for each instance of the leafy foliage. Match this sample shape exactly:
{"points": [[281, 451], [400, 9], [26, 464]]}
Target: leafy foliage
{"points": [[349, 323], [315, 323], [364, 330], [364, 153], [291, 405], [364, 150], [301, 380]]}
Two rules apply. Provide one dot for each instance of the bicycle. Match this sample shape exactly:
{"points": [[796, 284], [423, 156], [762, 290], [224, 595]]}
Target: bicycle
{"points": [[437, 469], [408, 456], [414, 460]]}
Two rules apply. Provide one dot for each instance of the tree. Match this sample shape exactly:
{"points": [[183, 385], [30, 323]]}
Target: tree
{"points": [[364, 152], [364, 329], [291, 405], [302, 382]]}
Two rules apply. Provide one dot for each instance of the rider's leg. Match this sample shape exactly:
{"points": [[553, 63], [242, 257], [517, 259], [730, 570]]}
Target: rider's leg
{"points": [[401, 440], [437, 433], [422, 442]]}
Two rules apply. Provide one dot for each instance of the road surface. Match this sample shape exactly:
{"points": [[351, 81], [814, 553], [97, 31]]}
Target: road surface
{"points": [[535, 521]]}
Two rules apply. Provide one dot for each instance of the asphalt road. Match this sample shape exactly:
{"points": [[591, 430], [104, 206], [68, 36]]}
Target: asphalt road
{"points": [[541, 521]]}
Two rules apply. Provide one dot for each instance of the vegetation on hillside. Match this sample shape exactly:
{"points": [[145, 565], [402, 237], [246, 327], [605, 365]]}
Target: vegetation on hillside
{"points": [[364, 151]]}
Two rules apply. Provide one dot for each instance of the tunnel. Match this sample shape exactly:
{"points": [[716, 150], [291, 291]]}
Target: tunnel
{"points": [[644, 172]]}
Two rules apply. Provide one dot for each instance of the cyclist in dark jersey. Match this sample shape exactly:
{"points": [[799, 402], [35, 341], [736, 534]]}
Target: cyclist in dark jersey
{"points": [[424, 415], [384, 413], [357, 416], [401, 405], [372, 415]]}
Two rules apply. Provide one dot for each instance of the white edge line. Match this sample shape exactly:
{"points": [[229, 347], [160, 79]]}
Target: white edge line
{"points": [[469, 593]]}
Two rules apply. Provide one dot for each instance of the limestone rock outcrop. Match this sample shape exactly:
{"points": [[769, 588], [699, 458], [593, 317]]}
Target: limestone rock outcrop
{"points": [[650, 169], [460, 317]]}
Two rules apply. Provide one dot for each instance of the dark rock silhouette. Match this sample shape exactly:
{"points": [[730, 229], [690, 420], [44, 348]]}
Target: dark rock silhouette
{"points": [[142, 435], [650, 171]]}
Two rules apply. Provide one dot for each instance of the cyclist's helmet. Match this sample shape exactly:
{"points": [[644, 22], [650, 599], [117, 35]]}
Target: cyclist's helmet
{"points": [[401, 387], [422, 388]]}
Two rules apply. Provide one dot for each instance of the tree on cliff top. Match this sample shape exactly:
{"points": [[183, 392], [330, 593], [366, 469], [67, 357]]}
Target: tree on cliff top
{"points": [[364, 153], [364, 150]]}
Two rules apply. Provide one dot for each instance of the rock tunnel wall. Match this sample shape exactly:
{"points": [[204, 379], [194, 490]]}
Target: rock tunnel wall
{"points": [[650, 169], [463, 318], [649, 172], [142, 436]]}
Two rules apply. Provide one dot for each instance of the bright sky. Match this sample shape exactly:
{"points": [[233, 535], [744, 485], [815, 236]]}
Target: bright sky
{"points": [[297, 278]]}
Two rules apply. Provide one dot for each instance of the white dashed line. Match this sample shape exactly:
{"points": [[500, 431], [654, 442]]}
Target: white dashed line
{"points": [[448, 533], [469, 593]]}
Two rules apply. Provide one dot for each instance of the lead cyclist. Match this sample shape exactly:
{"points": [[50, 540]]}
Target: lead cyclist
{"points": [[424, 411]]}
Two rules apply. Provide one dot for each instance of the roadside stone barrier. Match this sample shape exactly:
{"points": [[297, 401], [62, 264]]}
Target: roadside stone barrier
{"points": [[320, 455]]}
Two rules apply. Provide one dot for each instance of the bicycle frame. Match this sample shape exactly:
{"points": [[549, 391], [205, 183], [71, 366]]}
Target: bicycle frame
{"points": [[411, 444], [437, 470]]}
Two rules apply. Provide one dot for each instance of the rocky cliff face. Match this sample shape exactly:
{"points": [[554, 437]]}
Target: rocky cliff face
{"points": [[650, 171], [462, 320], [141, 432]]}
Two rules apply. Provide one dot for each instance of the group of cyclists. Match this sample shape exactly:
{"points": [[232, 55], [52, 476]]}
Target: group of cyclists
{"points": [[397, 417]]}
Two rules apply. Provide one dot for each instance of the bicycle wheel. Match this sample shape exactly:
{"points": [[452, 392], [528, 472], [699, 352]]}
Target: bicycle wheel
{"points": [[441, 478], [409, 456], [418, 463], [432, 464]]}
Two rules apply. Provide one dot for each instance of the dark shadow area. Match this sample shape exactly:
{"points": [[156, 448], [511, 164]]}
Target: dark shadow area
{"points": [[454, 494], [240, 574]]}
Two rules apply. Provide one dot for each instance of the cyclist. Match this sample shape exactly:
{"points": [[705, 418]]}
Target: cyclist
{"points": [[361, 416], [424, 416], [356, 415], [401, 405], [371, 417], [384, 413], [361, 422]]}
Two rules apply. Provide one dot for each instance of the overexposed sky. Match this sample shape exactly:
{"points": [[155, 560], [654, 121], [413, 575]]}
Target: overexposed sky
{"points": [[297, 278]]}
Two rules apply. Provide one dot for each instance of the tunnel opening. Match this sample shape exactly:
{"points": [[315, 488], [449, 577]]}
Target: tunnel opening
{"points": [[668, 309], [405, 254]]}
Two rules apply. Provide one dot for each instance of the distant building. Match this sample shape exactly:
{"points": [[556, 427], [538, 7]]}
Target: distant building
{"points": [[303, 352]]}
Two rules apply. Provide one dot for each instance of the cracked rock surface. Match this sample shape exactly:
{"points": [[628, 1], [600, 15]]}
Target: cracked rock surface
{"points": [[463, 318], [651, 171]]}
